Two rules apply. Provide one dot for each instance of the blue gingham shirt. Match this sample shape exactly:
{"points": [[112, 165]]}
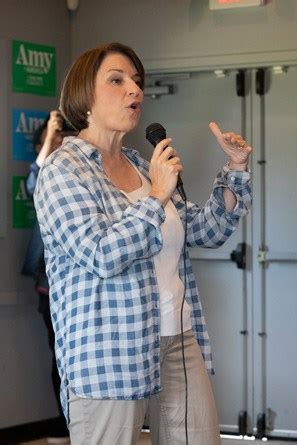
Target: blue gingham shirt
{"points": [[103, 289]]}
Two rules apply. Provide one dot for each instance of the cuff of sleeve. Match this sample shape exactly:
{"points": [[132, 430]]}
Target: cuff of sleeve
{"points": [[150, 209], [156, 205], [233, 178]]}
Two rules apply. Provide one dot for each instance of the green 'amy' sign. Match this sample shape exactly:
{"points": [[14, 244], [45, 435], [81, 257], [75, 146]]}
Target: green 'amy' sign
{"points": [[23, 212], [33, 68]]}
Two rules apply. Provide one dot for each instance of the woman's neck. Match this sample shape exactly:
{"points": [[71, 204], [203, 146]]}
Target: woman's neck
{"points": [[108, 143]]}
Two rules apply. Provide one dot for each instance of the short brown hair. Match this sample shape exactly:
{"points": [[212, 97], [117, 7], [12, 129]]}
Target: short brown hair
{"points": [[77, 94]]}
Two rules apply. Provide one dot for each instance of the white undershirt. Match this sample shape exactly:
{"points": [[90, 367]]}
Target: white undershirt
{"points": [[171, 288]]}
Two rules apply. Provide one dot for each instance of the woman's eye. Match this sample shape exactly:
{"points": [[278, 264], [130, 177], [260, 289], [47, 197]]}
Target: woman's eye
{"points": [[116, 81]]}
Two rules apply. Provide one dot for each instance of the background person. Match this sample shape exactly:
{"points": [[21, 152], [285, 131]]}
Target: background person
{"points": [[46, 139], [113, 227]]}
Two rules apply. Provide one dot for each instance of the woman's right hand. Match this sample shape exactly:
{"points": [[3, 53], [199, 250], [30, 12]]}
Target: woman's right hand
{"points": [[164, 168]]}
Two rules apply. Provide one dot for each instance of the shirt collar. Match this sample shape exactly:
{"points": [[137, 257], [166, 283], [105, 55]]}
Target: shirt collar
{"points": [[88, 149], [91, 151]]}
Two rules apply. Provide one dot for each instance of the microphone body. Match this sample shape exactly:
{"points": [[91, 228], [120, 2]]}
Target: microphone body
{"points": [[155, 133]]}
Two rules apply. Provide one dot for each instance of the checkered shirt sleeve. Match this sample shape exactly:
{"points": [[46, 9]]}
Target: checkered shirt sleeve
{"points": [[211, 225], [83, 229]]}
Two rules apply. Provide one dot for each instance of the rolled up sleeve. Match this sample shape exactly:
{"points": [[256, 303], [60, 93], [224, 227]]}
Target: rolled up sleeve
{"points": [[212, 225]]}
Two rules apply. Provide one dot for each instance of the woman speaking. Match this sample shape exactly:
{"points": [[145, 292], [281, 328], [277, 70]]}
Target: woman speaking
{"points": [[113, 227]]}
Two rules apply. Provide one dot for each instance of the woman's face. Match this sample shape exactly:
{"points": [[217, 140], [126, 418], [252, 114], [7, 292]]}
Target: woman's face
{"points": [[117, 97]]}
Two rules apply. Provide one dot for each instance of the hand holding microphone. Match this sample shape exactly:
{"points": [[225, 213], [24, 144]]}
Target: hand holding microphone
{"points": [[165, 166]]}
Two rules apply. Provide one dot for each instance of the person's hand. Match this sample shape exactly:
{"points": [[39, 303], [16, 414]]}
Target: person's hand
{"points": [[54, 125], [165, 166], [234, 146]]}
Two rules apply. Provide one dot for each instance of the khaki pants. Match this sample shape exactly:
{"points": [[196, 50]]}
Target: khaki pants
{"points": [[119, 422]]}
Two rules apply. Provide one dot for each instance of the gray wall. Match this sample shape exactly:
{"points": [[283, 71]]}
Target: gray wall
{"points": [[25, 390], [169, 35]]}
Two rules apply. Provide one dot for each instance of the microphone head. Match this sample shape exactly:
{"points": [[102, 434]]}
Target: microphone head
{"points": [[155, 133]]}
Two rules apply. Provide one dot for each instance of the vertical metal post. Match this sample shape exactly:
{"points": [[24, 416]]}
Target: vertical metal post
{"points": [[260, 91], [241, 88]]}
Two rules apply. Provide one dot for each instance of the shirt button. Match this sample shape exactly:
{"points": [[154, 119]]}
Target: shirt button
{"points": [[232, 178]]}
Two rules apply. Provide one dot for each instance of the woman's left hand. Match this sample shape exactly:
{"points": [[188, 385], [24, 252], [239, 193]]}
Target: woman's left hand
{"points": [[234, 146]]}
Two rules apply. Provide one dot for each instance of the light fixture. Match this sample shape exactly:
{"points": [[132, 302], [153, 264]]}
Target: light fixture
{"points": [[220, 73], [279, 69], [155, 91], [72, 5], [228, 4]]}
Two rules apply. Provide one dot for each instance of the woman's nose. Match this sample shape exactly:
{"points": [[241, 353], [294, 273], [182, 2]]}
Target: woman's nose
{"points": [[134, 89], [134, 93]]}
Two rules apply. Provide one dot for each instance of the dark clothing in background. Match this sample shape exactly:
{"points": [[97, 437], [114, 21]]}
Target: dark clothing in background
{"points": [[44, 309], [34, 266]]}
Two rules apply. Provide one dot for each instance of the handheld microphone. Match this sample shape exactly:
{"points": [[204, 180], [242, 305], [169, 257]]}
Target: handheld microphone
{"points": [[155, 133]]}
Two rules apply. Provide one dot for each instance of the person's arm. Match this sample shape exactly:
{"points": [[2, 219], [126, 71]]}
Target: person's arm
{"points": [[238, 152], [231, 198], [53, 126], [213, 224], [77, 222]]}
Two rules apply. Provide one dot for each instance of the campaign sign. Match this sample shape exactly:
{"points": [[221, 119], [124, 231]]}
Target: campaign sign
{"points": [[24, 124], [33, 68], [23, 212]]}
